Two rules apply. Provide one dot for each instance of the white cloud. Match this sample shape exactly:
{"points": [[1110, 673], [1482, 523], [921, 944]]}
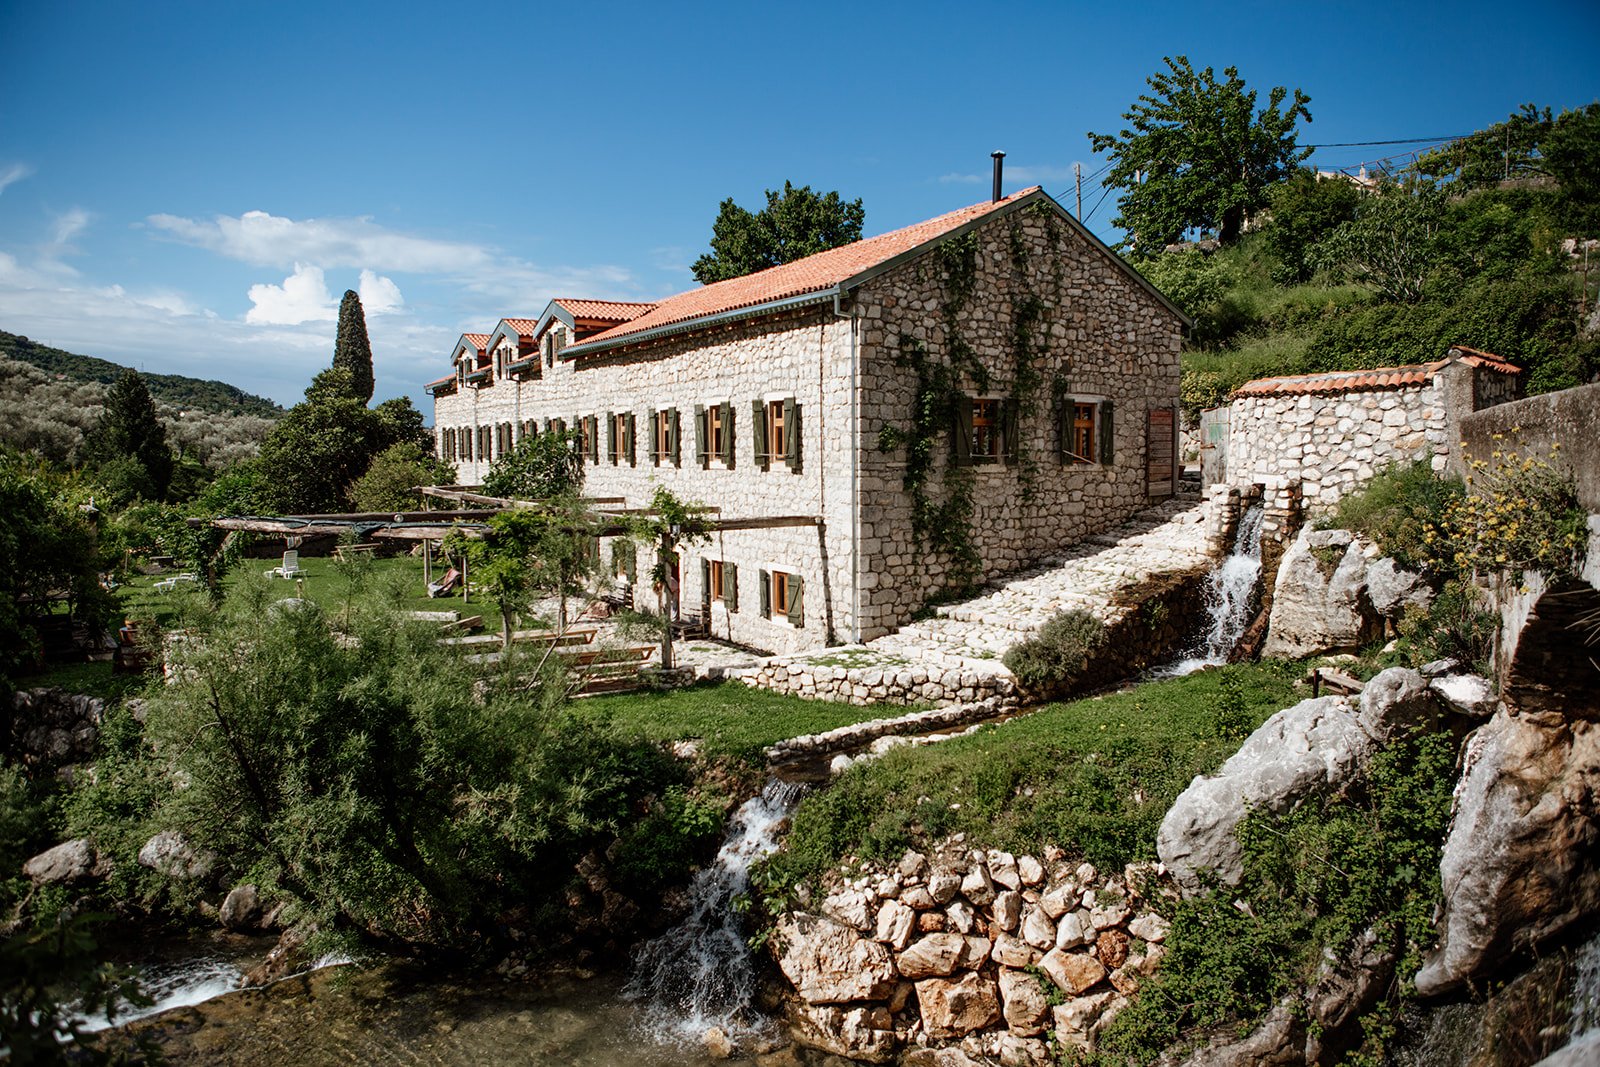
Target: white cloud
{"points": [[379, 295], [265, 240], [303, 297], [69, 224], [13, 174]]}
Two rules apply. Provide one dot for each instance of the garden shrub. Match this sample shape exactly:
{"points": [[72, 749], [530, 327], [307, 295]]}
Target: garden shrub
{"points": [[1056, 657]]}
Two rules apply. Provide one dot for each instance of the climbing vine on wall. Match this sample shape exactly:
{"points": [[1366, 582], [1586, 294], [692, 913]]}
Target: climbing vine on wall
{"points": [[942, 522]]}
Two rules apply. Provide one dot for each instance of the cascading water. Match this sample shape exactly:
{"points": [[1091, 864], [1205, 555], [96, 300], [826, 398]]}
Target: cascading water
{"points": [[1585, 1025], [700, 974], [1230, 594], [174, 985]]}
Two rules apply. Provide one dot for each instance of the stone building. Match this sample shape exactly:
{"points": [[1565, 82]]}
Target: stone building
{"points": [[1332, 432], [947, 402]]}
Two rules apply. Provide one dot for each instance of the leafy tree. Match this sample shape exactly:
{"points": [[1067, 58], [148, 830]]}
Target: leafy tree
{"points": [[1389, 245], [382, 784], [48, 548], [130, 435], [1198, 155], [538, 467], [351, 349], [390, 483], [1508, 149], [1305, 209], [795, 223], [313, 456]]}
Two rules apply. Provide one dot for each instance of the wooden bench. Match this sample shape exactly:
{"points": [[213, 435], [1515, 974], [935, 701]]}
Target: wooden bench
{"points": [[1334, 681], [608, 669]]}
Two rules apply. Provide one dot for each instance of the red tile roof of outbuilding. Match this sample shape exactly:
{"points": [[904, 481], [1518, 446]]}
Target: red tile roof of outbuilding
{"points": [[1378, 378]]}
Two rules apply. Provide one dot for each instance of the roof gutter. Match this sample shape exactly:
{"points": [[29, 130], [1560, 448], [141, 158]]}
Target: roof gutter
{"points": [[702, 322]]}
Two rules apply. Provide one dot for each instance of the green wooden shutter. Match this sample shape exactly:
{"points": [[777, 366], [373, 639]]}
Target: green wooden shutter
{"points": [[797, 601], [1064, 429], [700, 434], [727, 434], [791, 434], [673, 428], [705, 582], [961, 431], [630, 445], [650, 421], [1108, 433], [758, 432], [612, 444], [1011, 429], [730, 585], [766, 594]]}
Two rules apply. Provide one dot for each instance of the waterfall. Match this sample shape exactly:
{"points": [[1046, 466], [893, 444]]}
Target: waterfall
{"points": [[172, 985], [1585, 1024], [1230, 595], [700, 974]]}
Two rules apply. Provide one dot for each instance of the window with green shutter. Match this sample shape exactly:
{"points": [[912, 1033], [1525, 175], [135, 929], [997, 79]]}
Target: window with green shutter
{"points": [[613, 446], [730, 585], [758, 433], [791, 434], [629, 447], [727, 434], [1108, 435], [702, 435], [652, 421]]}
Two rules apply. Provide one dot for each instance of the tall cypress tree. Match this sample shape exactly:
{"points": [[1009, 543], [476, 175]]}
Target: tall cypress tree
{"points": [[129, 430], [352, 350]]}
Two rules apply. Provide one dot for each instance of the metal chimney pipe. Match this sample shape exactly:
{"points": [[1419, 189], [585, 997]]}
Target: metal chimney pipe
{"points": [[999, 164]]}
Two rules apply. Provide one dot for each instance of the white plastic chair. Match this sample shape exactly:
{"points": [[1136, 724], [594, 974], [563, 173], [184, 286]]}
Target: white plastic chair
{"points": [[290, 567]]}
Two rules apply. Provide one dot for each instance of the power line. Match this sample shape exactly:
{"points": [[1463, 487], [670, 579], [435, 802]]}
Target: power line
{"points": [[1404, 140]]}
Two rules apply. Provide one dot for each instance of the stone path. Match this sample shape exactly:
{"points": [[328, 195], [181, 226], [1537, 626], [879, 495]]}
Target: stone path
{"points": [[955, 656]]}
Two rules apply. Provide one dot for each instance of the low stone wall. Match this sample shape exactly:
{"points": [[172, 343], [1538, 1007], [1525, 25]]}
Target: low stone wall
{"points": [[857, 674], [1530, 427], [858, 735], [982, 951]]}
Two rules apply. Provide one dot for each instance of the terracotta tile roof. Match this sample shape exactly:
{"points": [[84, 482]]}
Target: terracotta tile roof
{"points": [[809, 275], [605, 310], [524, 327], [480, 341], [446, 380], [1378, 378]]}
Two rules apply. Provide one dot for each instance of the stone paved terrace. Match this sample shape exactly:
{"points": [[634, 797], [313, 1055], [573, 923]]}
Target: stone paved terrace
{"points": [[955, 656]]}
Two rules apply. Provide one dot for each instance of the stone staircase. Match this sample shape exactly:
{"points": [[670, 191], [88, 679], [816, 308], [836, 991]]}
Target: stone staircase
{"points": [[954, 657]]}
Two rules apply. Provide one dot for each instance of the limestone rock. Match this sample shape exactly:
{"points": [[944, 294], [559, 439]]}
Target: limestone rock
{"points": [[69, 861], [1522, 861], [718, 1045], [896, 922], [975, 953], [1111, 948], [933, 956], [1030, 870], [1391, 588], [1038, 930], [1074, 972], [1466, 694], [954, 1008], [828, 964], [1320, 601], [1010, 952], [851, 907], [1023, 1003], [1103, 917], [1003, 870], [1312, 747], [169, 853], [942, 885], [913, 866], [863, 1032], [961, 917], [1007, 909], [1397, 699], [918, 897], [1079, 1014], [977, 886], [1150, 927], [241, 909], [1017, 1051], [1073, 931], [1060, 900]]}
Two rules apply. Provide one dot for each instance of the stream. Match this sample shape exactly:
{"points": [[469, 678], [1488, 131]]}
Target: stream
{"points": [[1231, 596]]}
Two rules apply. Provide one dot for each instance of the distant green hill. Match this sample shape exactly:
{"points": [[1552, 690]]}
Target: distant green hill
{"points": [[191, 394]]}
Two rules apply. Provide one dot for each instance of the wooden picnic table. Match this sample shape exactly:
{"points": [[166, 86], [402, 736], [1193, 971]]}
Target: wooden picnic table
{"points": [[340, 551], [523, 637]]}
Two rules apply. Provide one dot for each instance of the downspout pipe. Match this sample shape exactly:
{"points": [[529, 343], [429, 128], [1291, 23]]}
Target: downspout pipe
{"points": [[855, 464]]}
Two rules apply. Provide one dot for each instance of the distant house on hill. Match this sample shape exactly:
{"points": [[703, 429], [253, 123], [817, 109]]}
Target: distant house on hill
{"points": [[950, 401]]}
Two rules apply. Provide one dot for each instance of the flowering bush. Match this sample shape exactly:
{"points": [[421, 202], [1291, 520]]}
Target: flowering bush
{"points": [[1519, 513]]}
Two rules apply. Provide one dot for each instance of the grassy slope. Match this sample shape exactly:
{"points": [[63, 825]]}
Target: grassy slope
{"points": [[1093, 776], [176, 389]]}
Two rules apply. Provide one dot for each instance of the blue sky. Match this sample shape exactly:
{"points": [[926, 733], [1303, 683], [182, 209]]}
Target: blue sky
{"points": [[188, 188]]}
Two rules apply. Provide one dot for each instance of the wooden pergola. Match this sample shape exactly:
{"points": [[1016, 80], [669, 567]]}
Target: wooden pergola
{"points": [[429, 526]]}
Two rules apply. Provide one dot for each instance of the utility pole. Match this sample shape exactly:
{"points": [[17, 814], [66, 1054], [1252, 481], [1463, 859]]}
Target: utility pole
{"points": [[1077, 177]]}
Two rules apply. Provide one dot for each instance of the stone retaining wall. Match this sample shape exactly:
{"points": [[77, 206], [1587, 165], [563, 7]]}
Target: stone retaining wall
{"points": [[981, 951]]}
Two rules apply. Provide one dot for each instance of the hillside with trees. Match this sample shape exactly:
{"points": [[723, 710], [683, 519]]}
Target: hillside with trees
{"points": [[1480, 243], [175, 390]]}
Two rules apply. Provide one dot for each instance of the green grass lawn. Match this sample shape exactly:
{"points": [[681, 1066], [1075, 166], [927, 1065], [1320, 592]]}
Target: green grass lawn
{"points": [[729, 718], [1093, 776]]}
